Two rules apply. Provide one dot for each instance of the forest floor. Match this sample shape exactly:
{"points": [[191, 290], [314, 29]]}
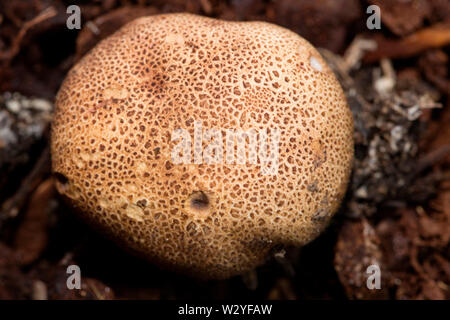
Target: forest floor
{"points": [[396, 213]]}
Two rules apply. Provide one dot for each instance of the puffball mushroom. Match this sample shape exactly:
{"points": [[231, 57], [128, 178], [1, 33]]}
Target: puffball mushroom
{"points": [[113, 140]]}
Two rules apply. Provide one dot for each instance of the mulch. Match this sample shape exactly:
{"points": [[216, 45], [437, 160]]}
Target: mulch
{"points": [[396, 213]]}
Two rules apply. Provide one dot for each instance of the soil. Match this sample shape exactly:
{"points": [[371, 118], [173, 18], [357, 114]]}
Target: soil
{"points": [[396, 213]]}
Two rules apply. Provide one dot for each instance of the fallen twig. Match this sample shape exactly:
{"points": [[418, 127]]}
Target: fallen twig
{"points": [[433, 37], [432, 157], [10, 53], [13, 205]]}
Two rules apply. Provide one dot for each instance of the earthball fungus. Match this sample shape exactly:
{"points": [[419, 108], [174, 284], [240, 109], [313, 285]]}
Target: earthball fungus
{"points": [[203, 145]]}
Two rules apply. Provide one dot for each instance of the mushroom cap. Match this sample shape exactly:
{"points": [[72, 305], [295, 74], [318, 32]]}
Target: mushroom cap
{"points": [[112, 141]]}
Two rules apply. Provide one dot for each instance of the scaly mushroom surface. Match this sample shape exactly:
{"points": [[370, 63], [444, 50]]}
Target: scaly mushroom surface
{"points": [[113, 141]]}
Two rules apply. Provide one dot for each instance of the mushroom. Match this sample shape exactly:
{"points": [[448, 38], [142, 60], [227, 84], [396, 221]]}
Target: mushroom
{"points": [[166, 81]]}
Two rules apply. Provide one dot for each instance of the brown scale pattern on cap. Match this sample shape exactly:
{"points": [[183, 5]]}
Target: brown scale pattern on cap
{"points": [[117, 109]]}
